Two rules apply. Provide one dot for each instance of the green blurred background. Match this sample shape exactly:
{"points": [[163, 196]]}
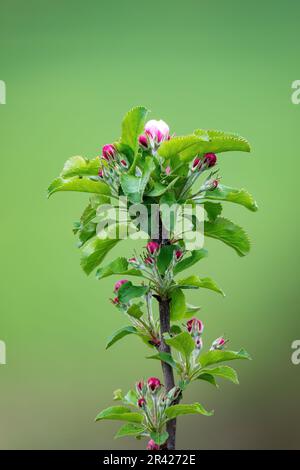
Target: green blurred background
{"points": [[72, 70]]}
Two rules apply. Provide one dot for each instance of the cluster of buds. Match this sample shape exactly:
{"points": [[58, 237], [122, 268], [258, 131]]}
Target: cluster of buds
{"points": [[148, 263], [147, 327], [155, 132], [195, 327], [219, 343], [152, 386], [153, 400], [202, 163], [148, 259], [113, 164], [199, 165]]}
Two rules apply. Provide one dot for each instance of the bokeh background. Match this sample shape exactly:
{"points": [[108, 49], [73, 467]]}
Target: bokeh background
{"points": [[72, 70]]}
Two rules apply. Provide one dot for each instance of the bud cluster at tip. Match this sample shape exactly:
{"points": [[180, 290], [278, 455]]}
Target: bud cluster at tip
{"points": [[112, 165], [153, 400], [202, 163], [155, 132]]}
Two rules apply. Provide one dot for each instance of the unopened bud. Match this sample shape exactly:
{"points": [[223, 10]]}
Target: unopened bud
{"points": [[123, 163], [195, 326], [152, 446], [152, 247], [149, 260], [197, 163], [119, 284], [154, 384], [210, 159], [143, 141], [218, 343], [108, 151], [178, 255], [141, 402]]}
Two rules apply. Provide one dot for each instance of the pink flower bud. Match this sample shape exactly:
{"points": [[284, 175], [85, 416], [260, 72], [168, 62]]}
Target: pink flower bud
{"points": [[195, 326], [143, 141], [219, 343], [140, 385], [210, 159], [119, 284], [152, 446], [149, 260], [108, 151], [115, 301], [168, 170], [124, 163], [210, 185], [214, 184], [133, 261], [152, 247], [141, 402], [196, 164], [157, 131], [101, 173], [155, 342], [178, 255], [154, 384], [198, 343]]}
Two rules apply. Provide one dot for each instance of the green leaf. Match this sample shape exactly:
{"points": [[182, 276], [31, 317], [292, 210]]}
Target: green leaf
{"points": [[187, 147], [86, 232], [238, 196], [165, 257], [183, 343], [165, 357], [119, 334], [79, 166], [159, 189], [178, 410], [208, 378], [94, 252], [192, 309], [78, 183], [182, 148], [119, 266], [225, 372], [205, 282], [118, 395], [213, 357], [213, 210], [128, 292], [219, 141], [159, 438], [135, 310], [132, 127], [131, 398], [134, 186], [177, 305], [129, 429], [190, 260], [86, 228], [175, 330], [120, 413], [168, 210], [229, 233]]}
